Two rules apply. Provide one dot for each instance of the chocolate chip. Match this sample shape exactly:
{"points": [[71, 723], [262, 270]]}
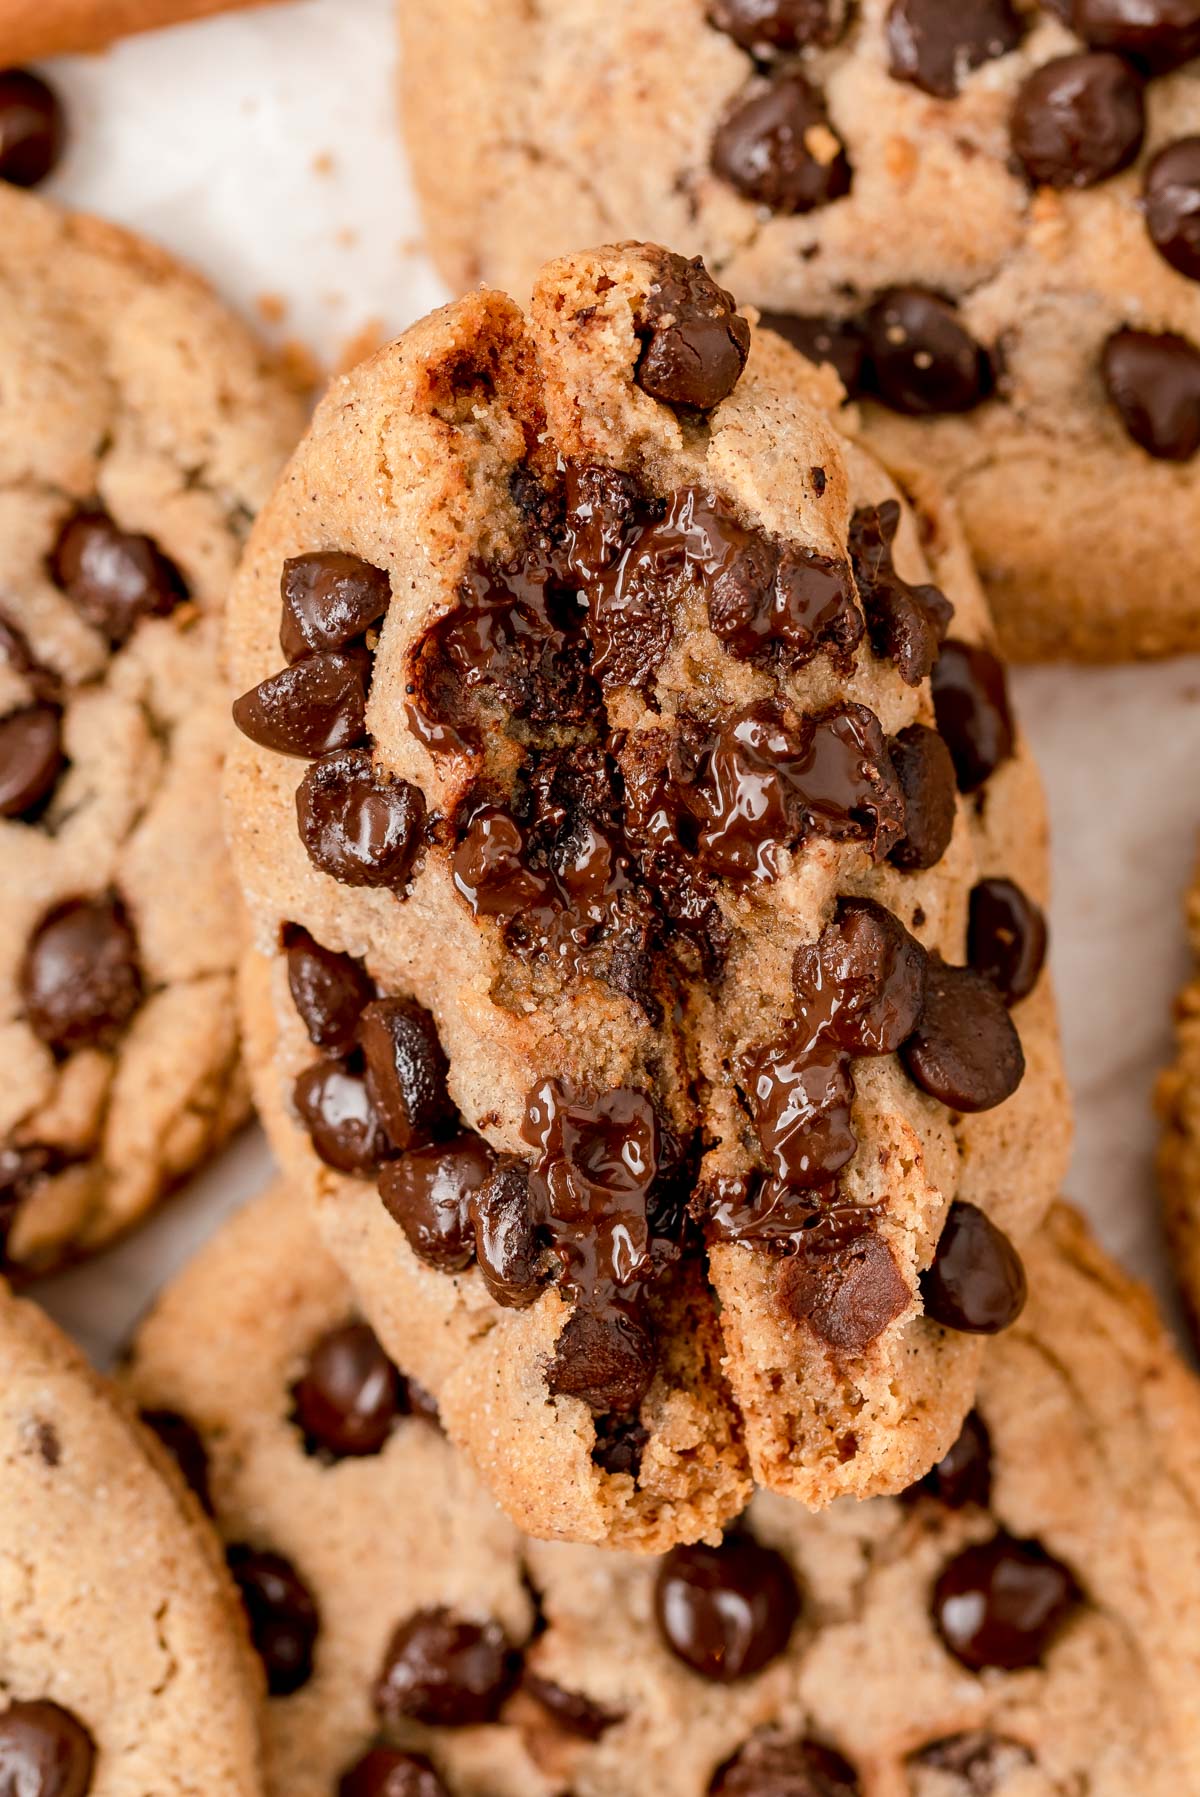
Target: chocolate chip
{"points": [[45, 1751], [405, 1067], [964, 1473], [345, 1129], [1001, 1603], [726, 1611], [605, 1357], [79, 980], [572, 1710], [976, 1284], [1157, 34], [934, 45], [22, 1171], [864, 978], [30, 758], [620, 1444], [800, 1092], [358, 823], [505, 1238], [923, 360], [33, 135], [1006, 938], [694, 345], [905, 623], [329, 599], [428, 1192], [982, 1762], [113, 577], [842, 1279], [445, 1671], [784, 26], [389, 1772], [778, 149], [964, 1050], [820, 338], [349, 1395], [185, 1445], [1171, 201], [311, 708], [925, 771], [1078, 119], [970, 701], [328, 990], [283, 1618], [1153, 380], [773, 1765]]}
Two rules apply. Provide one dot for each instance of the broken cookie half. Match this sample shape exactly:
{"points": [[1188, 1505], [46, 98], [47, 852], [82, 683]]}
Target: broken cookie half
{"points": [[645, 869]]}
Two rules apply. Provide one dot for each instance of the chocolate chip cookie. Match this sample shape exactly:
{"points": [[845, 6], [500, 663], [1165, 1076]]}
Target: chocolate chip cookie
{"points": [[1021, 1623], [645, 870], [983, 213], [1179, 1151], [139, 429], [124, 1662]]}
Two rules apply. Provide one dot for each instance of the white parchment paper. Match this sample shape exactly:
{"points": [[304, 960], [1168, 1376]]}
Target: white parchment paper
{"points": [[262, 147]]}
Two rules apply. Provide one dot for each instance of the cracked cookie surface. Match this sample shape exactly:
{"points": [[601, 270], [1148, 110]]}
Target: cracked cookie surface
{"points": [[125, 1670], [982, 214], [1021, 1624], [139, 429], [639, 933]]}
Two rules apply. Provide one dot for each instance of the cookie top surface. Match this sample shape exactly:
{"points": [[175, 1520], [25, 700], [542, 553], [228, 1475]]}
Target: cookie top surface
{"points": [[614, 867], [140, 427], [983, 214], [124, 1661], [1023, 1624]]}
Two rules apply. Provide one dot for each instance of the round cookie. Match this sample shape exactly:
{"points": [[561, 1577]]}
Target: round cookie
{"points": [[605, 808], [125, 1670], [1178, 1099], [140, 427], [1022, 1624], [983, 212]]}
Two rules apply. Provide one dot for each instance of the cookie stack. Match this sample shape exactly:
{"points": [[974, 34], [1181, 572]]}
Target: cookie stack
{"points": [[665, 1368]]}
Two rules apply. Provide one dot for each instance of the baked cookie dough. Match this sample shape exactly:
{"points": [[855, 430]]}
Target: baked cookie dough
{"points": [[32, 28], [638, 931], [983, 212], [1021, 1624], [1179, 1150], [140, 427], [125, 1668]]}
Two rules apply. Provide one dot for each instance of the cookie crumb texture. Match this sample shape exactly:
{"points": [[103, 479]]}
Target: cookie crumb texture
{"points": [[647, 980], [125, 1667], [139, 429], [982, 214], [999, 1630]]}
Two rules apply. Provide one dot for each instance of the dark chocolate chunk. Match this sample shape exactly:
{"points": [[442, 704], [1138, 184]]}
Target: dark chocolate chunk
{"points": [[406, 1069], [964, 1473], [863, 980], [970, 701], [31, 756], [506, 1243], [185, 1445], [313, 707], [1171, 201], [45, 1751], [446, 1672], [389, 1772], [1158, 35], [821, 338], [578, 1714], [428, 1192], [33, 136], [619, 1445], [283, 1617], [1078, 119], [726, 1611], [923, 360], [905, 623], [1002, 1603], [773, 1765], [694, 345], [964, 1050], [606, 1357], [800, 1092], [113, 577], [80, 979], [842, 1279], [981, 1761], [925, 770], [976, 1283], [329, 599], [934, 45], [349, 1395], [358, 823], [766, 27], [1153, 380], [1006, 938], [329, 990], [344, 1127], [778, 149]]}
